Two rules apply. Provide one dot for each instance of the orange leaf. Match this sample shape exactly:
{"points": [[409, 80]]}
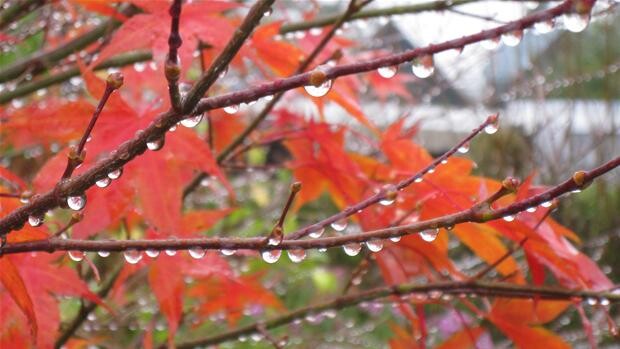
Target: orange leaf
{"points": [[12, 281]]}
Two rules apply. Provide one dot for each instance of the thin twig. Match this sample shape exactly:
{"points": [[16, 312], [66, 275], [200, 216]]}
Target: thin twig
{"points": [[490, 289], [76, 156], [472, 214], [161, 124], [172, 69]]}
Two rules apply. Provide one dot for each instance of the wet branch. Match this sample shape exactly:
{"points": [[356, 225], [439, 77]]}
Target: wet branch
{"points": [[472, 214], [480, 288]]}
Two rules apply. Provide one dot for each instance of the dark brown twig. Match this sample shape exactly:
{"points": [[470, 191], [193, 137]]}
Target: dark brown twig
{"points": [[471, 214], [172, 69], [480, 288], [76, 155]]}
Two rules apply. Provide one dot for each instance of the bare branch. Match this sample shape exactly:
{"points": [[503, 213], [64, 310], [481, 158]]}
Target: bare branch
{"points": [[488, 289]]}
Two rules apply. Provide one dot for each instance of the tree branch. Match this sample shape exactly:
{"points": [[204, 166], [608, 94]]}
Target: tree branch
{"points": [[221, 62], [480, 288], [172, 69], [137, 145], [472, 214]]}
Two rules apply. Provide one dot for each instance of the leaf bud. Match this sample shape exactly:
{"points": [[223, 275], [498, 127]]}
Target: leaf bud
{"points": [[115, 80], [511, 184], [295, 187], [172, 71], [317, 77]]}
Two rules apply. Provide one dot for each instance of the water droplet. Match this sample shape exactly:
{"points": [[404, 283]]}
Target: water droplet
{"points": [[231, 109], [76, 256], [268, 12], [319, 91], [418, 180], [431, 170], [546, 204], [491, 128], [423, 67], [315, 234], [429, 235], [512, 38], [132, 256], [509, 218], [387, 72], [103, 254], [271, 256], [170, 252], [227, 252], [395, 238], [463, 149], [576, 22], [35, 220], [296, 256], [374, 245], [152, 253], [544, 27], [173, 128], [340, 225], [103, 182], [604, 302], [77, 202], [592, 301], [139, 66], [352, 249], [197, 252], [316, 31], [223, 72], [156, 144], [490, 44], [531, 209], [116, 174], [192, 121], [444, 161], [386, 202]]}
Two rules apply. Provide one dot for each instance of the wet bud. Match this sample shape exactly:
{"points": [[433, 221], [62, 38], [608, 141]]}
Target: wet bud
{"points": [[77, 216], [583, 6], [493, 119], [391, 194], [337, 55], [579, 178], [75, 157], [172, 71], [115, 80], [317, 77], [511, 184], [295, 187], [276, 236]]}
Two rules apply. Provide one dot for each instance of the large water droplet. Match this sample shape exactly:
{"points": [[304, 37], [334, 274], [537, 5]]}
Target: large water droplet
{"points": [[352, 249], [77, 202], [315, 234], [103, 254], [395, 238], [132, 256], [116, 174], [429, 235], [227, 252], [374, 245], [170, 252], [509, 218], [491, 128], [152, 253], [196, 252], [423, 67], [76, 256], [192, 121], [340, 225], [319, 91], [512, 38], [271, 256], [156, 144], [576, 22], [490, 44], [231, 109], [387, 72], [464, 148], [544, 27], [296, 256], [35, 220], [103, 182]]}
